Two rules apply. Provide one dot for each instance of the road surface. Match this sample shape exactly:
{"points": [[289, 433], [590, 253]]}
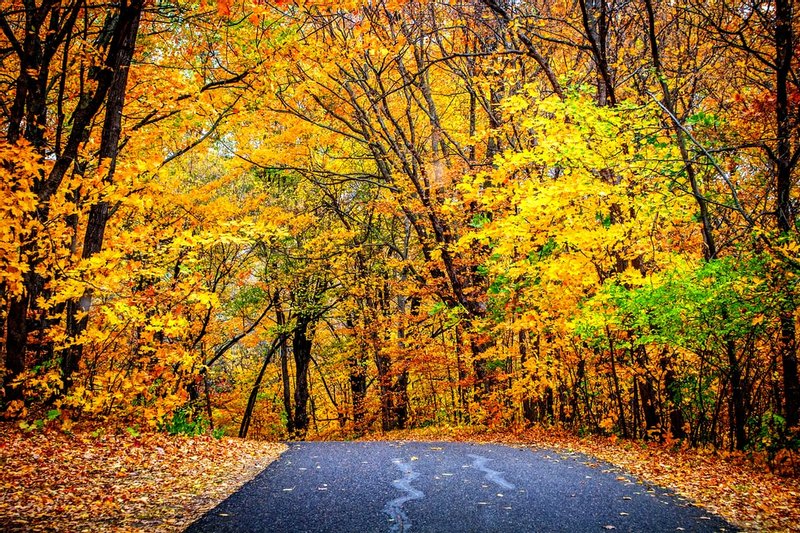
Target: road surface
{"points": [[401, 487]]}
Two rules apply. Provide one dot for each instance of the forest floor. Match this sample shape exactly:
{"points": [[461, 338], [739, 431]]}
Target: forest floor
{"points": [[102, 481], [738, 487]]}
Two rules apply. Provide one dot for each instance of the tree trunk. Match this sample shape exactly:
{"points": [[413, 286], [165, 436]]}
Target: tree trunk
{"points": [[358, 390], [615, 381], [301, 349], [251, 400], [676, 420], [16, 341], [30, 108], [737, 397], [400, 401], [99, 213], [383, 366], [528, 405], [357, 376], [788, 351], [280, 319]]}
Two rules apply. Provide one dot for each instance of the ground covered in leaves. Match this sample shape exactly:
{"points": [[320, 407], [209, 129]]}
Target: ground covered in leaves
{"points": [[738, 487], [102, 481]]}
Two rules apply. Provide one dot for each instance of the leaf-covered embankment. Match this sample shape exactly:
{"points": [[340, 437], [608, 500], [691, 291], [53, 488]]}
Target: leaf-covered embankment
{"points": [[119, 482]]}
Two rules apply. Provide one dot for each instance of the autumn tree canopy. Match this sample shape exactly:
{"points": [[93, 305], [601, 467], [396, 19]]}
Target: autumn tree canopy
{"points": [[310, 217]]}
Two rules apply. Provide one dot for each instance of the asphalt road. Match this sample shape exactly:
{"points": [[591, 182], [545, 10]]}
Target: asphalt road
{"points": [[361, 487]]}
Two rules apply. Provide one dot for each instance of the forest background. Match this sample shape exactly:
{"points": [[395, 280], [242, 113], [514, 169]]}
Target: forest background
{"points": [[311, 218]]}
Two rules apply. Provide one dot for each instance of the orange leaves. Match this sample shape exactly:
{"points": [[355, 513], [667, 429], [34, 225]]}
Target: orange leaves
{"points": [[81, 479], [224, 7]]}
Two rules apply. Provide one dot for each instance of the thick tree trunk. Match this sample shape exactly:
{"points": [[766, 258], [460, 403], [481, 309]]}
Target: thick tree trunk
{"points": [[99, 213], [16, 342], [785, 163], [400, 401], [30, 108], [676, 420], [737, 397], [357, 377], [358, 391], [280, 319], [647, 395], [301, 349], [648, 398], [385, 390], [528, 404]]}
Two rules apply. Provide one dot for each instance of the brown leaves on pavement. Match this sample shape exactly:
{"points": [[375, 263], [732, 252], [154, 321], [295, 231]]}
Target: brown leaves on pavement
{"points": [[50, 481]]}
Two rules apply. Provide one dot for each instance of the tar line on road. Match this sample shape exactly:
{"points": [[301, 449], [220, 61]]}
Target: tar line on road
{"points": [[405, 487]]}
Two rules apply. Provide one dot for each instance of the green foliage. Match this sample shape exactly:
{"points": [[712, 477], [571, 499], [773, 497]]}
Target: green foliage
{"points": [[692, 309], [183, 422], [479, 220], [246, 298], [705, 119], [772, 435], [36, 425]]}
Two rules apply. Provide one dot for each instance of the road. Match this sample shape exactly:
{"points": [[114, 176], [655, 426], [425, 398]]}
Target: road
{"points": [[401, 487]]}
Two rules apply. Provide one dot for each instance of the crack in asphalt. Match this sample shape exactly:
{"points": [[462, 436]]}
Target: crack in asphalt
{"points": [[400, 521], [479, 462]]}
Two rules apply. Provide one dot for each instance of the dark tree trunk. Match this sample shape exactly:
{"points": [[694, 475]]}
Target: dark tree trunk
{"points": [[358, 389], [676, 420], [463, 411], [247, 417], [479, 343], [637, 422], [280, 319], [788, 350], [528, 404], [400, 397], [357, 376], [301, 349], [596, 17], [651, 420], [30, 107], [737, 397], [99, 213], [647, 395], [385, 390], [253, 398], [16, 341], [785, 163]]}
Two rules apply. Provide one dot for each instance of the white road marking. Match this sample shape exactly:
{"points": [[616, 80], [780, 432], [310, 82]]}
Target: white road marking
{"points": [[479, 462], [400, 521]]}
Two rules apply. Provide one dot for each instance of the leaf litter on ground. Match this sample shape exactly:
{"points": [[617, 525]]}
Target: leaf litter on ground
{"points": [[91, 481]]}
